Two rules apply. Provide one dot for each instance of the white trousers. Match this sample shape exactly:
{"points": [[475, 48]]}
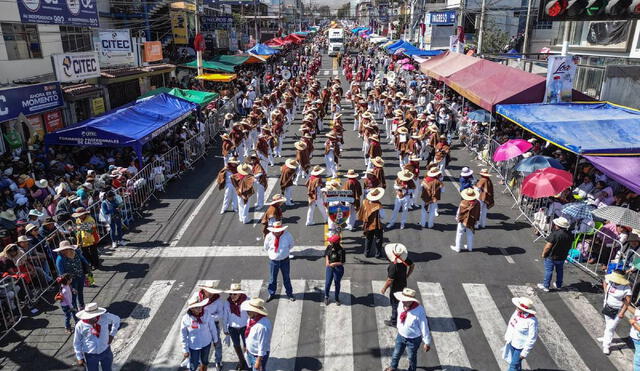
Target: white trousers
{"points": [[230, 197], [387, 130], [356, 124], [351, 222], [300, 174], [243, 211], [260, 195], [610, 325], [398, 204], [319, 204], [428, 214], [330, 163], [288, 196], [241, 151], [459, 232], [483, 214]]}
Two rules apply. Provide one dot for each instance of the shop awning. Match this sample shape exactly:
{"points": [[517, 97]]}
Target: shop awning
{"points": [[262, 49], [233, 60], [194, 96], [276, 41], [293, 38], [211, 65], [129, 126], [624, 170], [218, 77], [445, 64], [598, 129]]}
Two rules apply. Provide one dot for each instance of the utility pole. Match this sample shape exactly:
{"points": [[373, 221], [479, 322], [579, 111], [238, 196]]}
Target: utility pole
{"points": [[255, 20], [198, 52], [525, 45], [565, 38], [481, 32]]}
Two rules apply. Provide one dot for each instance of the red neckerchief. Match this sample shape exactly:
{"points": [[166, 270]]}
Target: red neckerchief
{"points": [[95, 327], [198, 318], [403, 315], [276, 243], [313, 177], [235, 305], [240, 176], [251, 323], [429, 179], [210, 300]]}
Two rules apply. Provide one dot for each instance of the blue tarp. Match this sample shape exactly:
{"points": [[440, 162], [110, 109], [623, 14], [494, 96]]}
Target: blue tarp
{"points": [[129, 126], [261, 49], [394, 45], [358, 29], [599, 128], [410, 50]]}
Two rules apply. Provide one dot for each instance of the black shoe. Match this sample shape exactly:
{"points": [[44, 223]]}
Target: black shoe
{"points": [[271, 297], [338, 302], [389, 323], [326, 301], [291, 298]]}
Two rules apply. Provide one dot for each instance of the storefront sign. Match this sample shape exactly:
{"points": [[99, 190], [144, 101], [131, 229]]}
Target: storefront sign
{"points": [[179, 26], [53, 121], [448, 17], [115, 41], [219, 22], [561, 71], [76, 66], [97, 106], [37, 128], [29, 100], [83, 13], [152, 51]]}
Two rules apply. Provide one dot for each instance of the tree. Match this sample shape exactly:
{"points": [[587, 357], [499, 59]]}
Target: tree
{"points": [[494, 39]]}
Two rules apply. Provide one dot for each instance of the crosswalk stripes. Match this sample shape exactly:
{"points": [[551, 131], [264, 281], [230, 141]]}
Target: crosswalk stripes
{"points": [[592, 321], [326, 72], [170, 354], [386, 334], [286, 329], [554, 339], [338, 332], [445, 335]]}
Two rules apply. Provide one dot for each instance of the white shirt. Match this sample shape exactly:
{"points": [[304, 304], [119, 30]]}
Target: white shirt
{"points": [[415, 325], [197, 335], [522, 333], [284, 247], [616, 294], [216, 310], [234, 320], [259, 339], [86, 342], [635, 334]]}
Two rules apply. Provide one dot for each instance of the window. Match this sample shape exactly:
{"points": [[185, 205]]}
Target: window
{"points": [[76, 39], [22, 41]]}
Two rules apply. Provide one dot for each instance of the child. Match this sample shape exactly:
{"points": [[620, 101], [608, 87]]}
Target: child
{"points": [[64, 296]]}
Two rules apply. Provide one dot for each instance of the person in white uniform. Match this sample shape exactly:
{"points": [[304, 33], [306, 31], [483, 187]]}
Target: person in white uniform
{"points": [[92, 338], [403, 198], [198, 332], [521, 334], [215, 309], [230, 196], [237, 321], [258, 334], [617, 298]]}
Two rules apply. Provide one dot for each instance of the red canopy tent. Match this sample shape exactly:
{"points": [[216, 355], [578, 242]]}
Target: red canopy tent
{"points": [[443, 65], [293, 38], [276, 41]]}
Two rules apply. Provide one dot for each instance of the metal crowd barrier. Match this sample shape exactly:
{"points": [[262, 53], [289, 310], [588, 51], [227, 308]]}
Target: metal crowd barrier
{"points": [[10, 305]]}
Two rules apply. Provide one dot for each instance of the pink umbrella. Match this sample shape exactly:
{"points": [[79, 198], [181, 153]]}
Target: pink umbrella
{"points": [[512, 148], [408, 67], [405, 61]]}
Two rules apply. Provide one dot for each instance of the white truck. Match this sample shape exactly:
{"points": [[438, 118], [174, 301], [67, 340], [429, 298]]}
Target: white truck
{"points": [[336, 41]]}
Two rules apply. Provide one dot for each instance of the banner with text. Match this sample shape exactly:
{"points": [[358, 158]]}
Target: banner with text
{"points": [[179, 27], [76, 66], [561, 71], [152, 51], [29, 100], [82, 13]]}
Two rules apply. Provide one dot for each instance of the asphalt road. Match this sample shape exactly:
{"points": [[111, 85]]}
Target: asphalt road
{"points": [[183, 240]]}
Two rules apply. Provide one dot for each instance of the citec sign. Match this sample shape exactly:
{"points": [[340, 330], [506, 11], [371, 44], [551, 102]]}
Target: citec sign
{"points": [[442, 18], [75, 66], [29, 100], [83, 13], [115, 41]]}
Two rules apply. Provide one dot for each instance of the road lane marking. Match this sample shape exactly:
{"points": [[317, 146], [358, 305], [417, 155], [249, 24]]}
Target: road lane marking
{"points": [[338, 332], [194, 213], [207, 251], [445, 336], [286, 329], [138, 321], [169, 355], [558, 345], [386, 334]]}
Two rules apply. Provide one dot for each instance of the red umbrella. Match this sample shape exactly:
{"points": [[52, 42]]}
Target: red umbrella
{"points": [[546, 182]]}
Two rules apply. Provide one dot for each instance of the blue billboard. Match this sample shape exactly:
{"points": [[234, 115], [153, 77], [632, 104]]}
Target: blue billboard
{"points": [[29, 100], [448, 17], [82, 13]]}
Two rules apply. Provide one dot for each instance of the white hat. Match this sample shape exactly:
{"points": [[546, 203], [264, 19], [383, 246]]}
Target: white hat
{"points": [[277, 227], [485, 172], [524, 304], [375, 194], [244, 169], [277, 198], [562, 222], [300, 145], [236, 288], [42, 183], [406, 294], [65, 245], [351, 174], [466, 171], [92, 310], [210, 289], [433, 172], [395, 252], [469, 194], [254, 305], [291, 163], [405, 175], [195, 302], [317, 170]]}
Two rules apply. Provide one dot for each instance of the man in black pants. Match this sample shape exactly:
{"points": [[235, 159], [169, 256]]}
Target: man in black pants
{"points": [[398, 271], [371, 215]]}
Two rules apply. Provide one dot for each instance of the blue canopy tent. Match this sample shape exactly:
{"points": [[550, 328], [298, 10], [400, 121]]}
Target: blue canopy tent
{"points": [[584, 128], [394, 45], [412, 50], [129, 126], [262, 49]]}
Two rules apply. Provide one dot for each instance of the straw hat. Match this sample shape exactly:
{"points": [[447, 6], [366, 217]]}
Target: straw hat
{"points": [[398, 112], [414, 158], [403, 130], [233, 160], [92, 310], [399, 94], [291, 163], [406, 294], [80, 212], [524, 304], [31, 227], [300, 145], [245, 169], [277, 198], [277, 227], [405, 175], [469, 194], [23, 239], [377, 161], [8, 215], [368, 115], [618, 278], [330, 135], [562, 222], [333, 185], [466, 171], [65, 245], [396, 252], [351, 174], [317, 170], [210, 289], [42, 183], [485, 172], [254, 305], [228, 116], [236, 288], [375, 194], [433, 172]]}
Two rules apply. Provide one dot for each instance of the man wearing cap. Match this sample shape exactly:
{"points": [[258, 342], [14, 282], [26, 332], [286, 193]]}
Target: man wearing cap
{"points": [[432, 187], [257, 333], [521, 334], [398, 271], [278, 244], [314, 194], [371, 214], [287, 175], [485, 187], [93, 335], [224, 183], [467, 216], [413, 329], [555, 252], [403, 186]]}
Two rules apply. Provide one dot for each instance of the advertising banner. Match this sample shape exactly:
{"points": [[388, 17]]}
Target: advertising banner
{"points": [[152, 51], [115, 41], [448, 17], [53, 121], [76, 66], [561, 71], [82, 13], [37, 128], [29, 100], [233, 41], [179, 27], [97, 106], [218, 22]]}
